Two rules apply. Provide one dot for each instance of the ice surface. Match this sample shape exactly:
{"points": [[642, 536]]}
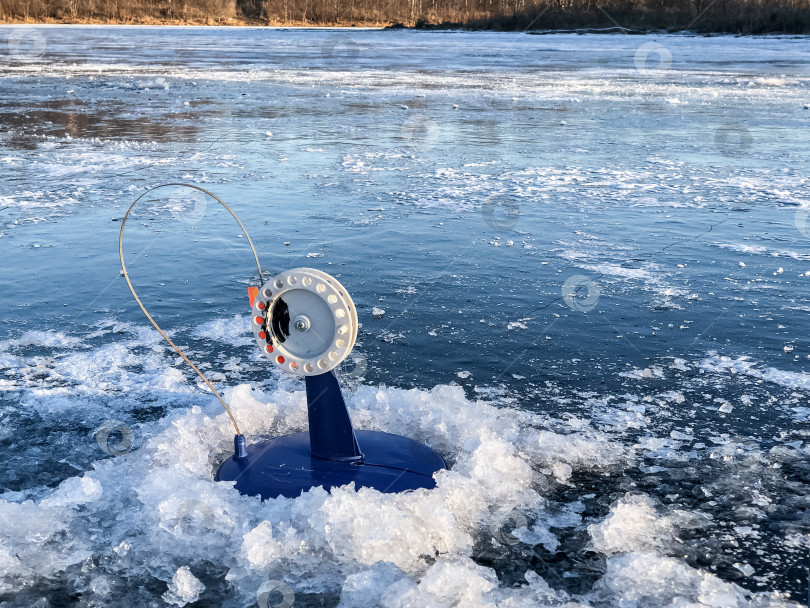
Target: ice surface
{"points": [[234, 331], [743, 365], [649, 452]]}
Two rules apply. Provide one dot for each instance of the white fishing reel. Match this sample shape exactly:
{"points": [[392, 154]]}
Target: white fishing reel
{"points": [[304, 321]]}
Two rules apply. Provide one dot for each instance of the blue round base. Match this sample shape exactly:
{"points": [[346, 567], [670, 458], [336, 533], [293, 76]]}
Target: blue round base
{"points": [[284, 466]]}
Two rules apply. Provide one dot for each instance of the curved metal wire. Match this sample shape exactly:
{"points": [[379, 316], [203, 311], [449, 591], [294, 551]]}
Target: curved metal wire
{"points": [[143, 308]]}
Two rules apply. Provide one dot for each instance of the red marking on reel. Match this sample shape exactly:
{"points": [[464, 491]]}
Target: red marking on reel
{"points": [[269, 348], [259, 320]]}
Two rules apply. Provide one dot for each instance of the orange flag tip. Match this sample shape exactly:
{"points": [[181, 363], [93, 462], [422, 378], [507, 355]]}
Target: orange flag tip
{"points": [[252, 293]]}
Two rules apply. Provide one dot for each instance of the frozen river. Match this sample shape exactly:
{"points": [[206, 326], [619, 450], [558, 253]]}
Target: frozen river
{"points": [[590, 260]]}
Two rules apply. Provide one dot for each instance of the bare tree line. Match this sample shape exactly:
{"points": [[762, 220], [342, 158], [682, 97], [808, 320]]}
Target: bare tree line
{"points": [[116, 11], [737, 16]]}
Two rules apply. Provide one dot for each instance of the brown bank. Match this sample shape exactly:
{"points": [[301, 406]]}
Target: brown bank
{"points": [[721, 16]]}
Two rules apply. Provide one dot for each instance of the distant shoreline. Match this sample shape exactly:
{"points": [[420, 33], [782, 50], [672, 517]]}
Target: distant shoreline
{"points": [[247, 23], [741, 17], [230, 22]]}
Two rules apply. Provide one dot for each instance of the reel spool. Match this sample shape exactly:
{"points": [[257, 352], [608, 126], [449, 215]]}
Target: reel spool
{"points": [[304, 321]]}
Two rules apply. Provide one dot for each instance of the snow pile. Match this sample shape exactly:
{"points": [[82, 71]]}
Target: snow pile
{"points": [[184, 588], [636, 537], [633, 525], [156, 513], [154, 520]]}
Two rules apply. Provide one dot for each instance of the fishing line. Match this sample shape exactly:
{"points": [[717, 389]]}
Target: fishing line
{"points": [[143, 308]]}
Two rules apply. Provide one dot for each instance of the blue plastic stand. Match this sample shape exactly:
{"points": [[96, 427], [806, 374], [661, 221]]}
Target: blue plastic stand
{"points": [[331, 454], [331, 435]]}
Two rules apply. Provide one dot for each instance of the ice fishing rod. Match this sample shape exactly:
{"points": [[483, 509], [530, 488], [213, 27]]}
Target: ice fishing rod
{"points": [[306, 323], [146, 312]]}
